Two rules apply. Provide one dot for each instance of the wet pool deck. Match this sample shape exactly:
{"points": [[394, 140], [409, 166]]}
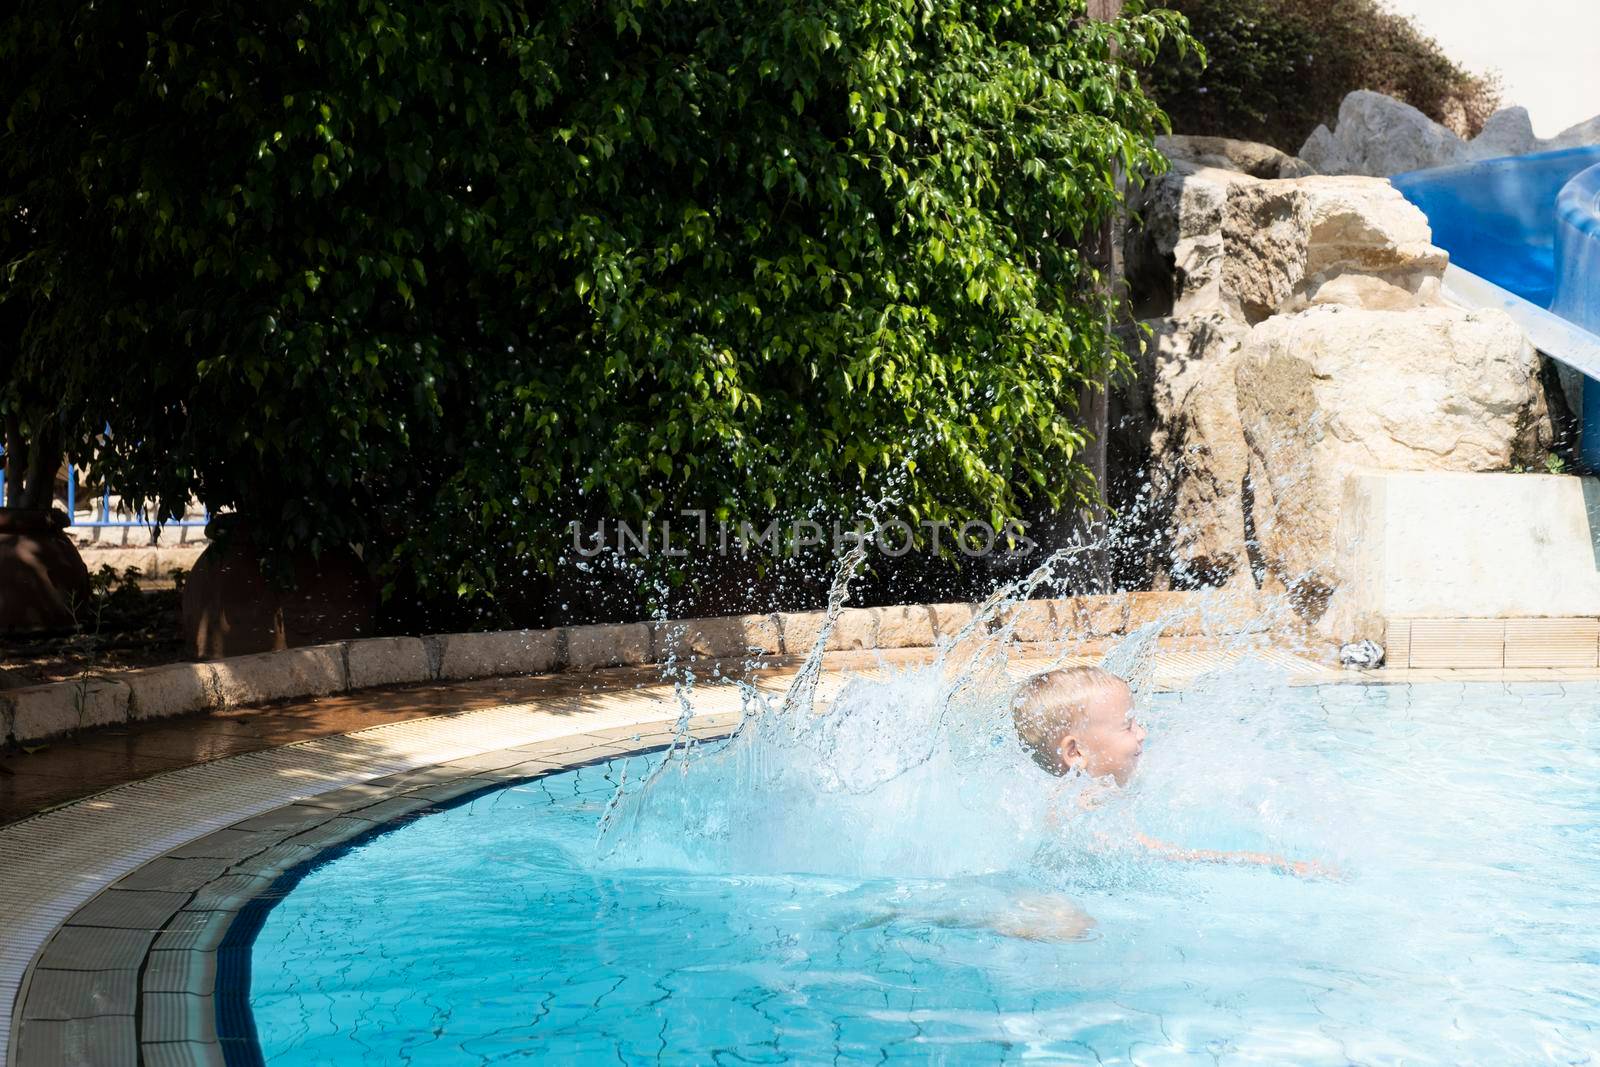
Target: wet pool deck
{"points": [[130, 853]]}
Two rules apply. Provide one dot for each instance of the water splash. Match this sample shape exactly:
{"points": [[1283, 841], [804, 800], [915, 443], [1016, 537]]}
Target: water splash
{"points": [[916, 771]]}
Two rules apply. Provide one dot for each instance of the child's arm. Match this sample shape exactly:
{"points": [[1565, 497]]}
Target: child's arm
{"points": [[1041, 917], [1302, 868]]}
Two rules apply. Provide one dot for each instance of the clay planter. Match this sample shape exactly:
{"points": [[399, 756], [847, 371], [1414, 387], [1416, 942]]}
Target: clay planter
{"points": [[230, 608], [42, 576]]}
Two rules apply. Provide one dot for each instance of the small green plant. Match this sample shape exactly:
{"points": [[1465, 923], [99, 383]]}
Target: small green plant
{"points": [[113, 595], [1553, 464]]}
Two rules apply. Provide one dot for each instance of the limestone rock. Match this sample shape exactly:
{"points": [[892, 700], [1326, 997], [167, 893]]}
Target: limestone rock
{"points": [[1200, 459], [1225, 153], [1365, 291], [1377, 135], [1216, 241], [1324, 153], [1266, 230], [1174, 256], [1367, 226], [1509, 132], [1584, 133], [1298, 335], [1334, 390]]}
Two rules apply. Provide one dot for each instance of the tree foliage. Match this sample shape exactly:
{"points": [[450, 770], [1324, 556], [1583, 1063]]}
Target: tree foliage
{"points": [[438, 278], [1276, 69]]}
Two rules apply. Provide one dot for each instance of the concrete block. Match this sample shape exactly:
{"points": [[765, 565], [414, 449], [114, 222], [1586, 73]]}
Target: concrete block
{"points": [[800, 630], [174, 689], [950, 619], [1179, 610], [730, 637], [1458, 643], [609, 645], [1034, 621], [1446, 544], [1094, 616], [1552, 642], [387, 661], [855, 630], [501, 652], [1240, 611], [290, 674], [910, 626], [1397, 643], [39, 712], [155, 562]]}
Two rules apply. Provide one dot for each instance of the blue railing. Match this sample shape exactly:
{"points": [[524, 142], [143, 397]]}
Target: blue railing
{"points": [[107, 516]]}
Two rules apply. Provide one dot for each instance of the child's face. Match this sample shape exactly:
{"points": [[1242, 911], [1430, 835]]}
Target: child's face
{"points": [[1106, 738]]}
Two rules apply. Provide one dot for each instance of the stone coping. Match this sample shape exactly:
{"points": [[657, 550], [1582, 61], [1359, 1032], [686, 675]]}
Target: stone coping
{"points": [[34, 714], [154, 969]]}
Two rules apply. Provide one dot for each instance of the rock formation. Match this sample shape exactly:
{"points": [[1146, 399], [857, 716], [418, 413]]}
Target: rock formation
{"points": [[1379, 136], [1246, 157], [1297, 335], [1333, 390]]}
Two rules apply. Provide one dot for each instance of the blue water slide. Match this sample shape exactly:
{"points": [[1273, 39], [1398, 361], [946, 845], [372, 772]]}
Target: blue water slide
{"points": [[1523, 234]]}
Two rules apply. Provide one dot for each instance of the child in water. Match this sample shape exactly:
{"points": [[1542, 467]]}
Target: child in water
{"points": [[1076, 720], [1079, 720]]}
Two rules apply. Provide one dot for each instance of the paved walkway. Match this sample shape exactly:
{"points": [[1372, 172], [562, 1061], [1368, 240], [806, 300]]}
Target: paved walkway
{"points": [[67, 770]]}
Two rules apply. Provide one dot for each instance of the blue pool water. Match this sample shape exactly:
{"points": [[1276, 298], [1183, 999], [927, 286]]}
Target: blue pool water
{"points": [[865, 905]]}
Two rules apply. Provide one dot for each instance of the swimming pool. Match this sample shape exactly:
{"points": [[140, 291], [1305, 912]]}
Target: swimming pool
{"points": [[866, 906]]}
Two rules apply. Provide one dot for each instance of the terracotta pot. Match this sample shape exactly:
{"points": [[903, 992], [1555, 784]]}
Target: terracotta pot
{"points": [[42, 577], [230, 608]]}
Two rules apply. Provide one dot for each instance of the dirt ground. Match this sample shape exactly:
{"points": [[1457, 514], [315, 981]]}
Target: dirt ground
{"points": [[128, 623]]}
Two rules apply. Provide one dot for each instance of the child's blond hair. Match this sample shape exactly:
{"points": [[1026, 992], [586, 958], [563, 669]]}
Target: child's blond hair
{"points": [[1048, 706]]}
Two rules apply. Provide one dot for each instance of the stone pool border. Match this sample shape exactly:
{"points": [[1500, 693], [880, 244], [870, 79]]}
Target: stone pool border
{"points": [[34, 714], [118, 904]]}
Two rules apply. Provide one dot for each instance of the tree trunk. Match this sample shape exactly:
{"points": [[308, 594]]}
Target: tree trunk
{"points": [[44, 461], [31, 467], [1095, 401], [16, 460], [1104, 256]]}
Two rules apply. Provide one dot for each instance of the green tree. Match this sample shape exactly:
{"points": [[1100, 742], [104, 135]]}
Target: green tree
{"points": [[439, 278]]}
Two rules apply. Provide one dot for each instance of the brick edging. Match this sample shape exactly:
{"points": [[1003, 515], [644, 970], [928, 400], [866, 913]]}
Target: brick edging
{"points": [[38, 713]]}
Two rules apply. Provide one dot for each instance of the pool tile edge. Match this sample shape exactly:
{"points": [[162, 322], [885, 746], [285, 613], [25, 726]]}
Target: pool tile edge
{"points": [[187, 1017]]}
